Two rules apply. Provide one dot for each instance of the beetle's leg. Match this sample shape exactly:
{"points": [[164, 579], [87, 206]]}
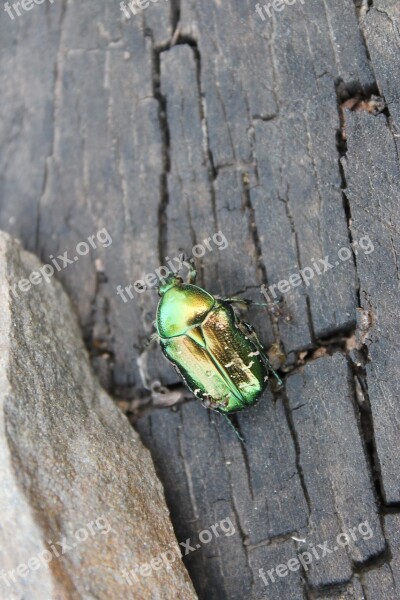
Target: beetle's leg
{"points": [[245, 301], [188, 262], [275, 308], [249, 331], [192, 272], [206, 400], [141, 360], [151, 342], [240, 437], [209, 402]]}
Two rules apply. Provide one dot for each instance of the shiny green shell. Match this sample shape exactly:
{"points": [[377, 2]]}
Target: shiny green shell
{"points": [[204, 339]]}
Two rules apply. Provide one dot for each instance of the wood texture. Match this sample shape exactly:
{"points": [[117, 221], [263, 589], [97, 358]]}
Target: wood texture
{"points": [[241, 126]]}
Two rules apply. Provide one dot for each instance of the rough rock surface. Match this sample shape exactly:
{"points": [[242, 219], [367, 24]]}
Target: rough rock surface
{"points": [[76, 480]]}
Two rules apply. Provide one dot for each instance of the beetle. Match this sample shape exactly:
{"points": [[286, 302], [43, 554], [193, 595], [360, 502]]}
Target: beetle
{"points": [[218, 356]]}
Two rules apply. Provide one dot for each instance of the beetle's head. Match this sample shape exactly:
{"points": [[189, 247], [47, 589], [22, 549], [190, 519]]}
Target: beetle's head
{"points": [[170, 281]]}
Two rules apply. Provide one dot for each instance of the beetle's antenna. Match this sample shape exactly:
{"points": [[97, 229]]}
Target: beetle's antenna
{"points": [[183, 258], [240, 437]]}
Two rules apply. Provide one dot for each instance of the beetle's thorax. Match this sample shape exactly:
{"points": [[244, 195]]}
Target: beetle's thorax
{"points": [[180, 308]]}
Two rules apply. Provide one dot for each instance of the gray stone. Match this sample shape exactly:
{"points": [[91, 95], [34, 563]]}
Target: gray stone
{"points": [[80, 500]]}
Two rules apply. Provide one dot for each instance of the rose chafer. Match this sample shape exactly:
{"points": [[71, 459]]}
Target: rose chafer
{"points": [[218, 356]]}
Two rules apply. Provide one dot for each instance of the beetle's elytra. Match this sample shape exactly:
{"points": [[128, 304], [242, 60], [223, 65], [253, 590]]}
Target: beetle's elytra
{"points": [[218, 356]]}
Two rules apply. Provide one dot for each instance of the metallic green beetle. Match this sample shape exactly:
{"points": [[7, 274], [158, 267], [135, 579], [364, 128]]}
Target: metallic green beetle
{"points": [[218, 356]]}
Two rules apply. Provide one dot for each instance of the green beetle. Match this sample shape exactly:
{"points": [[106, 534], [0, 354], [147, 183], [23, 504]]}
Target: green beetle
{"points": [[218, 356]]}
